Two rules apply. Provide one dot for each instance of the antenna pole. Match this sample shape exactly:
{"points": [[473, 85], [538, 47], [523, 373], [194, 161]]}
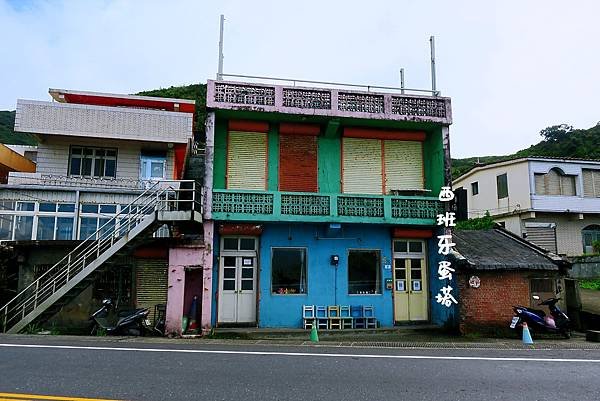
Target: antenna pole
{"points": [[220, 70], [433, 81], [402, 80]]}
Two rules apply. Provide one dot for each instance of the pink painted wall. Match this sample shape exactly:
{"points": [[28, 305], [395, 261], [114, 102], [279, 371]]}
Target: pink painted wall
{"points": [[179, 259], [205, 320]]}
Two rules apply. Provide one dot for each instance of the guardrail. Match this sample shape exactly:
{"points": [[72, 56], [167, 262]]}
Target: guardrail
{"points": [[302, 206]]}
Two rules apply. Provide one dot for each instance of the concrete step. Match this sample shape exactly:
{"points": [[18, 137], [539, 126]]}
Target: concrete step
{"points": [[593, 336]]}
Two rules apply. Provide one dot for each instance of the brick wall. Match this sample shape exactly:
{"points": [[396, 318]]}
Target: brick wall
{"points": [[489, 307]]}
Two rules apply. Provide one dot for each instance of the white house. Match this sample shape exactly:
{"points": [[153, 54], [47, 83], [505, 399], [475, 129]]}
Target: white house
{"points": [[554, 203], [90, 221]]}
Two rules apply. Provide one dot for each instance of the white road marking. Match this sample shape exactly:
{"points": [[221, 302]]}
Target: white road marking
{"points": [[308, 354]]}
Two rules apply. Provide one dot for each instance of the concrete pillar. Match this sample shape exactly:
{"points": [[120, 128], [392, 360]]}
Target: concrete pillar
{"points": [[207, 284], [180, 258]]}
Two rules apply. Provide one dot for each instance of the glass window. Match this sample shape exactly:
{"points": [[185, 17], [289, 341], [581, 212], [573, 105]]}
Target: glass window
{"points": [[247, 244], [407, 246], [363, 272], [415, 246], [107, 226], [47, 207], [110, 168], [230, 244], [153, 165], [288, 266], [590, 235], [66, 207], [25, 206], [6, 226], [93, 162], [7, 205], [88, 226], [89, 208], [475, 188], [502, 186], [64, 228], [45, 228], [23, 227], [109, 209], [400, 246], [157, 169]]}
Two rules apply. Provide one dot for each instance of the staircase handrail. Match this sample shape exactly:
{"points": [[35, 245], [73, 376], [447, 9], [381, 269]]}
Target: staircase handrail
{"points": [[151, 198]]}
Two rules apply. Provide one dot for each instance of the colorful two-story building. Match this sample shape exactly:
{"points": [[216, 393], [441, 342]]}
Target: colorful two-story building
{"points": [[324, 196]]}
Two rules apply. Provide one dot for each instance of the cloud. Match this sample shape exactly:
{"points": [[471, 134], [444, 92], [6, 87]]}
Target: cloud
{"points": [[511, 67]]}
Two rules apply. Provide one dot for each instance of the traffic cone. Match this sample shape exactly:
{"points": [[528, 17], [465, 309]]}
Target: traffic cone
{"points": [[526, 335], [314, 335]]}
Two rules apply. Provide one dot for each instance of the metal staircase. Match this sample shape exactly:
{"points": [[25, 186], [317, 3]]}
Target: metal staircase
{"points": [[164, 202]]}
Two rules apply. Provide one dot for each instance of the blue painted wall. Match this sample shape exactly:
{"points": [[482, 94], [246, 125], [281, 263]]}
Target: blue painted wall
{"points": [[323, 278], [328, 285], [440, 314]]}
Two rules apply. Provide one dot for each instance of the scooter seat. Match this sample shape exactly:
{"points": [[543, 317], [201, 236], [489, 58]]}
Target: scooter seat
{"points": [[538, 312]]}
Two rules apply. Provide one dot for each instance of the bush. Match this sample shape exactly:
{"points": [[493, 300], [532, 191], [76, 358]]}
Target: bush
{"points": [[596, 246], [590, 284]]}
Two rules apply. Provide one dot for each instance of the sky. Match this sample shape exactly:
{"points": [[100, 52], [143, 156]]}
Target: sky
{"points": [[511, 67]]}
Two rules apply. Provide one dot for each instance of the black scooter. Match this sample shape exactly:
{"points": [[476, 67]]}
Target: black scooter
{"points": [[133, 323], [537, 320]]}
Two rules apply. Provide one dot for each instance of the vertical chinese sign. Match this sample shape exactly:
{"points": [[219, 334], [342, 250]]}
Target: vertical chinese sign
{"points": [[445, 244]]}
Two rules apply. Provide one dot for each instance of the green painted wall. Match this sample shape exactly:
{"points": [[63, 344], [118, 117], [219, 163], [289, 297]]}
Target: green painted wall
{"points": [[433, 151], [220, 162], [273, 158], [329, 162]]}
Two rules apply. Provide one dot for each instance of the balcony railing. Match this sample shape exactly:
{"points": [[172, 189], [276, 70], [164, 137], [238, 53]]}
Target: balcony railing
{"points": [[241, 205], [52, 118], [327, 102], [52, 180]]}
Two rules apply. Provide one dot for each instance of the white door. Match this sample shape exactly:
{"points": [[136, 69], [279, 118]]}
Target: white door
{"points": [[237, 280]]}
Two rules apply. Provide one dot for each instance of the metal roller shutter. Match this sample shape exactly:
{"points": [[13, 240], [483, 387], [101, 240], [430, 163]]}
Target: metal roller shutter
{"points": [[542, 235], [403, 165], [150, 284], [247, 160], [298, 163], [362, 166]]}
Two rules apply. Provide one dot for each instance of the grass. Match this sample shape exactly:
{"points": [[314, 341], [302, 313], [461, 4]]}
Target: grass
{"points": [[590, 284]]}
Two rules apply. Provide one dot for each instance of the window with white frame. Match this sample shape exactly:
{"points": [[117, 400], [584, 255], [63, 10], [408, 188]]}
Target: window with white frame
{"points": [[24, 221], [153, 165], [93, 162], [95, 217]]}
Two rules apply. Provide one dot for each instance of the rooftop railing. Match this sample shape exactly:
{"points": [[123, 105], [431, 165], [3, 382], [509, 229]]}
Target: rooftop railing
{"points": [[357, 101]]}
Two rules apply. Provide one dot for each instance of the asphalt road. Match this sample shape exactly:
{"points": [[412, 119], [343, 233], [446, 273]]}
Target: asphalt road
{"points": [[183, 371]]}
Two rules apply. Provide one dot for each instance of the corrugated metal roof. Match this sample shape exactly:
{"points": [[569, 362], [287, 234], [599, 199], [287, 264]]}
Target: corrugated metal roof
{"points": [[494, 250]]}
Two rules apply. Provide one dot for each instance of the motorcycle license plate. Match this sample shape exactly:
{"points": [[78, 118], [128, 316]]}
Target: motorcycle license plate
{"points": [[147, 322], [514, 322]]}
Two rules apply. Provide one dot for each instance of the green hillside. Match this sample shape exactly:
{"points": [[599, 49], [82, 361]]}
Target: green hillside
{"points": [[195, 92], [557, 141], [8, 136]]}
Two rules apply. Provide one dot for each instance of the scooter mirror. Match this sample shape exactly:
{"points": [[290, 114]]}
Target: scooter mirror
{"points": [[536, 297]]}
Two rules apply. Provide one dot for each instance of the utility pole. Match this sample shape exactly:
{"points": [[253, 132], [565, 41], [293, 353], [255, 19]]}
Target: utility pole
{"points": [[402, 81], [220, 70], [433, 82]]}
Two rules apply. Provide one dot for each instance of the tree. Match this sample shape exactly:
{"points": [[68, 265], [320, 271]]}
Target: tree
{"points": [[556, 133]]}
